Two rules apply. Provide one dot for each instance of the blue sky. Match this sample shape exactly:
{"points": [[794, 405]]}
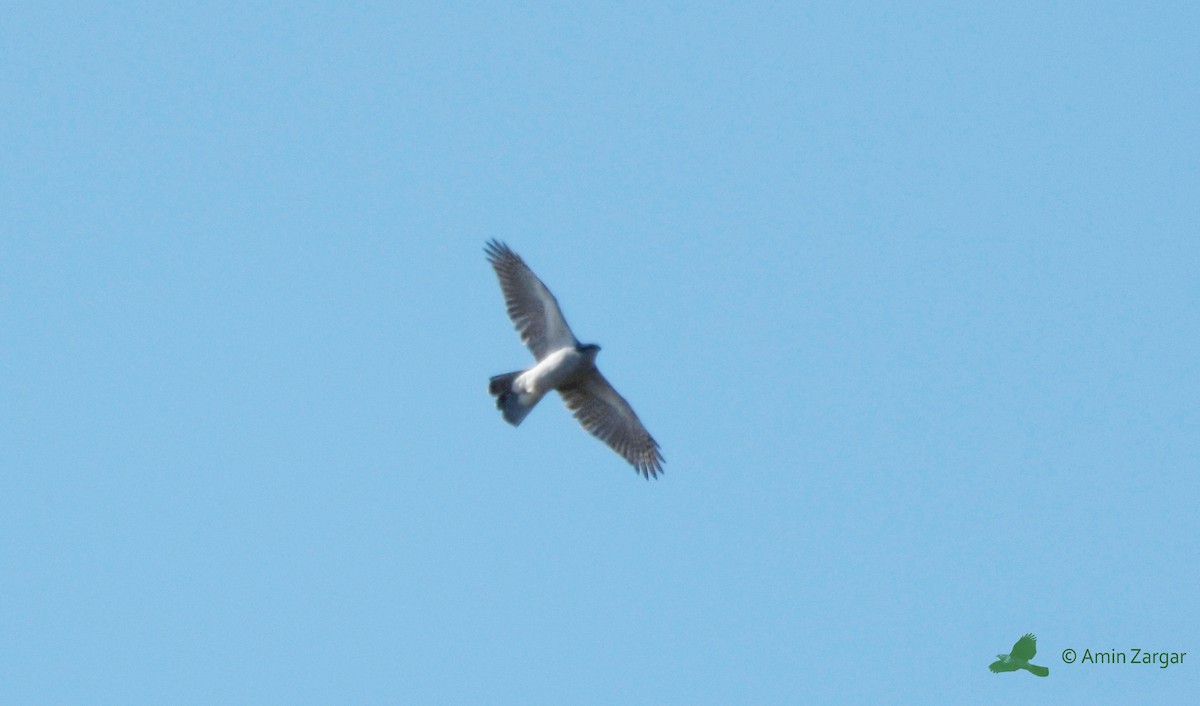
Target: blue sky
{"points": [[907, 293]]}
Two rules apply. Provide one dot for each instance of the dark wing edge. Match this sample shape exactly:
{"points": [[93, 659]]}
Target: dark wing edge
{"points": [[608, 417], [533, 309]]}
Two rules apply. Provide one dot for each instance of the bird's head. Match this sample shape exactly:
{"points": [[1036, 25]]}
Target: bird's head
{"points": [[588, 349]]}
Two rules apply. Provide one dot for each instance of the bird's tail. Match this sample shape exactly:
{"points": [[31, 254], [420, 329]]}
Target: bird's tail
{"points": [[1039, 671], [514, 405]]}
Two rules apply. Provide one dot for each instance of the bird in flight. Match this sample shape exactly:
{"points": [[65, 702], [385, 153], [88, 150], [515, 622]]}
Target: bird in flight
{"points": [[1019, 658], [563, 364]]}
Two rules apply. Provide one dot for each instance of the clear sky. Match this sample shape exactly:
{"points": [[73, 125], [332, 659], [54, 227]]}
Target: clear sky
{"points": [[907, 292]]}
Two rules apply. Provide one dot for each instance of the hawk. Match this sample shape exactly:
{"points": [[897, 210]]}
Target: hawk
{"points": [[563, 364], [1019, 658]]}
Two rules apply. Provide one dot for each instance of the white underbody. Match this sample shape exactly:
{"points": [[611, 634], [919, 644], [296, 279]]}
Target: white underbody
{"points": [[562, 367]]}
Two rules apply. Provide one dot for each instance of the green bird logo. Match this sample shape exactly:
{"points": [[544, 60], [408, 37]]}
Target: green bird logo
{"points": [[1019, 658]]}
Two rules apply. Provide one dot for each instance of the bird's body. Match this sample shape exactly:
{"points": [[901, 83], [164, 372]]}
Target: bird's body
{"points": [[1022, 652], [562, 367], [519, 391], [563, 364]]}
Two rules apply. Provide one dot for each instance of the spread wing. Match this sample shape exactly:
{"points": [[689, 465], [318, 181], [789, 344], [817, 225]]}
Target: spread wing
{"points": [[531, 306], [609, 418], [1002, 666], [1025, 648]]}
